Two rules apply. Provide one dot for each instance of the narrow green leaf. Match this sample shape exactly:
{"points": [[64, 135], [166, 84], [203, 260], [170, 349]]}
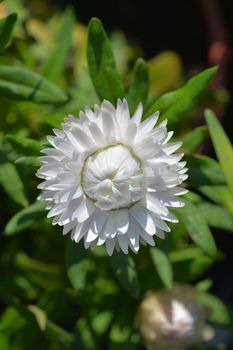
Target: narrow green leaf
{"points": [[220, 195], [177, 105], [139, 86], [204, 171], [22, 84], [24, 145], [11, 181], [54, 65], [219, 312], [194, 139], [216, 216], [124, 267], [163, 266], [101, 63], [197, 228], [28, 161], [77, 264], [222, 146], [6, 27], [205, 285], [189, 263], [25, 218]]}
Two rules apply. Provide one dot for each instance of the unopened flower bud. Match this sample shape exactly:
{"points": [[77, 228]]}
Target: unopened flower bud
{"points": [[171, 319]]}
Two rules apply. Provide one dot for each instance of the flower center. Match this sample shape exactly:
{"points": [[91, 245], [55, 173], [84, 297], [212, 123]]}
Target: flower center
{"points": [[113, 178]]}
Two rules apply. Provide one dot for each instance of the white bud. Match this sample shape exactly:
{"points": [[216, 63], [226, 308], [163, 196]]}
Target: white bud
{"points": [[171, 319]]}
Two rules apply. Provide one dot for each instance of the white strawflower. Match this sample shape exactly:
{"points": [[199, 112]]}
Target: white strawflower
{"points": [[110, 179], [173, 319]]}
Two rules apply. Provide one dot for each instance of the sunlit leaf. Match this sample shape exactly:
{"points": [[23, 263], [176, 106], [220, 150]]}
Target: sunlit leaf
{"points": [[55, 61], [6, 27], [138, 88], [177, 105], [197, 228], [125, 269], [77, 264], [102, 65], [163, 266], [25, 218], [222, 146], [21, 84]]}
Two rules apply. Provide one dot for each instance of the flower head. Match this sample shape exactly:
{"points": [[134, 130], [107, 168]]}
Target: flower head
{"points": [[111, 179], [173, 319]]}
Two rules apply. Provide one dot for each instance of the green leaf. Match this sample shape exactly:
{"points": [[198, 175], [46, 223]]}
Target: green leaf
{"points": [[205, 285], [197, 228], [24, 145], [28, 161], [220, 195], [76, 264], [193, 139], [101, 63], [219, 312], [6, 27], [54, 65], [125, 269], [177, 105], [22, 84], [204, 171], [216, 216], [25, 218], [222, 146], [11, 181], [163, 266], [139, 86], [189, 263]]}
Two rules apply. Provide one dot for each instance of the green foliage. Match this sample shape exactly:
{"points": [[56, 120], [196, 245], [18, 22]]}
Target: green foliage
{"points": [[54, 64], [139, 86], [197, 228], [55, 294], [163, 266], [22, 84], [6, 27], [222, 145], [177, 105], [125, 270], [101, 63]]}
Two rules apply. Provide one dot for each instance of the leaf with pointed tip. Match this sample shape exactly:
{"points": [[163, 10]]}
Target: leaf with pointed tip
{"points": [[125, 269], [55, 61], [76, 264], [177, 105], [204, 170], [222, 146], [139, 86], [22, 84], [197, 228], [6, 27], [163, 266], [25, 218], [216, 216], [101, 63], [11, 181], [192, 140]]}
